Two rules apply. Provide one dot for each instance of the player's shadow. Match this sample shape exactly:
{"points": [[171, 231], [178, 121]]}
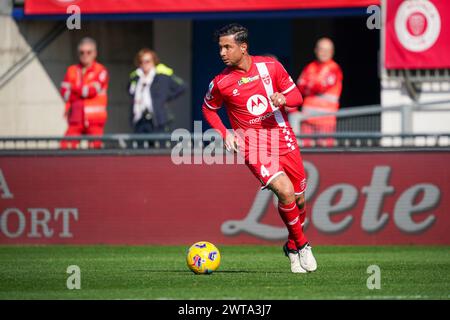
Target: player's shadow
{"points": [[246, 271], [218, 271]]}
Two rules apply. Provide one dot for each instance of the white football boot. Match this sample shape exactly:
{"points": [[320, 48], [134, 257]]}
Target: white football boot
{"points": [[294, 257], [307, 260]]}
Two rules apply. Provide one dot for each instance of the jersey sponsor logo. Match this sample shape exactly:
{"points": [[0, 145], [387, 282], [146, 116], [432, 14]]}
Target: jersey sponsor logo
{"points": [[417, 25], [261, 118], [257, 104], [235, 92], [245, 80]]}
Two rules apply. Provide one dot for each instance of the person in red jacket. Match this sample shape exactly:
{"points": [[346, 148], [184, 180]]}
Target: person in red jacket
{"points": [[84, 89], [321, 85]]}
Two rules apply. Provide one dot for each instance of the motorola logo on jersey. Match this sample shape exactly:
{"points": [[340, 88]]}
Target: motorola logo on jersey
{"points": [[257, 104]]}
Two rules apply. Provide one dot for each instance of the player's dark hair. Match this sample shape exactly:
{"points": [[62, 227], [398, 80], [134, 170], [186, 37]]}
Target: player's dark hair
{"points": [[240, 33]]}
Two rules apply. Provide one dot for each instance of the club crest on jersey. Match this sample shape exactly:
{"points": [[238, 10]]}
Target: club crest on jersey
{"points": [[266, 79], [257, 104], [245, 80]]}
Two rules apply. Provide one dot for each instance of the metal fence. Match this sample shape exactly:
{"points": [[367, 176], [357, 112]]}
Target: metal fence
{"points": [[357, 127], [165, 143], [368, 118]]}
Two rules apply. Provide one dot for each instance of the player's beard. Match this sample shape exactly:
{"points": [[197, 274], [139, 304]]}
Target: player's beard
{"points": [[228, 63], [231, 63]]}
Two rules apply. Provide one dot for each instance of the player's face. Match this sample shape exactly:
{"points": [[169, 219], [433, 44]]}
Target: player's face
{"points": [[230, 51]]}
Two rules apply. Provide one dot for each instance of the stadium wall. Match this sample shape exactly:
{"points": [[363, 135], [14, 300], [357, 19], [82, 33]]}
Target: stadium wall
{"points": [[353, 198]]}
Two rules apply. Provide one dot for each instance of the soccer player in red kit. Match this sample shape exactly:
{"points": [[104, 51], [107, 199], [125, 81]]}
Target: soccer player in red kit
{"points": [[255, 92]]}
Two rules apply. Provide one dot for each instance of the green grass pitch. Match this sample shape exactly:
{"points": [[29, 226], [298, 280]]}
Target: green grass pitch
{"points": [[246, 272]]}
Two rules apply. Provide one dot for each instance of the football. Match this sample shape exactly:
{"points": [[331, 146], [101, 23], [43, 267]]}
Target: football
{"points": [[203, 258]]}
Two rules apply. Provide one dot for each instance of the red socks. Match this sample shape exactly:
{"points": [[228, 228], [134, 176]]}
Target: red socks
{"points": [[292, 219]]}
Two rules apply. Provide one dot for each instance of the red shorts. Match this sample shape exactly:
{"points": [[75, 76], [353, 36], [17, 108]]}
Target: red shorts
{"points": [[291, 164]]}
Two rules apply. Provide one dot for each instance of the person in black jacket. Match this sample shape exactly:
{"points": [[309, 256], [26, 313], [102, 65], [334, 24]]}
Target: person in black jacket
{"points": [[151, 86]]}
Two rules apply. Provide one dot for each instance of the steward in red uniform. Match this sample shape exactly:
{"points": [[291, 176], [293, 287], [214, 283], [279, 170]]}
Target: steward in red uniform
{"points": [[321, 85], [84, 89]]}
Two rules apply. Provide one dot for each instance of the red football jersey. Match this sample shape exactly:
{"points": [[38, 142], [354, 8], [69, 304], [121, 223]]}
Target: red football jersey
{"points": [[246, 96]]}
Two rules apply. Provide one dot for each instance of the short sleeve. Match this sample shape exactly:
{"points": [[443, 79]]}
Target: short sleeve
{"points": [[285, 84], [213, 99]]}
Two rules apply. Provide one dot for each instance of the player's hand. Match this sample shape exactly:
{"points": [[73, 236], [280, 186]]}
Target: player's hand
{"points": [[278, 99], [231, 143]]}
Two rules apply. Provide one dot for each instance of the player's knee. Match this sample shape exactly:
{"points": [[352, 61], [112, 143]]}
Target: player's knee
{"points": [[286, 193]]}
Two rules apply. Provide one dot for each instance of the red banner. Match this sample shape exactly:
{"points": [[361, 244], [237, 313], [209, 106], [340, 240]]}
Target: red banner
{"points": [[417, 34], [353, 198], [151, 6]]}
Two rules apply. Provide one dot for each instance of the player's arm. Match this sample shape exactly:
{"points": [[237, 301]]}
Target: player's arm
{"points": [[292, 99], [211, 104], [288, 94]]}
